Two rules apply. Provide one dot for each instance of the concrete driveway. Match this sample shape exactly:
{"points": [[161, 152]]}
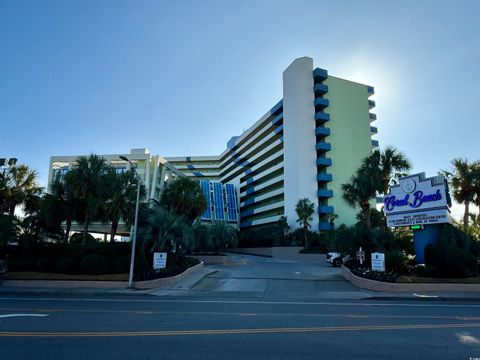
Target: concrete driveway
{"points": [[248, 276]]}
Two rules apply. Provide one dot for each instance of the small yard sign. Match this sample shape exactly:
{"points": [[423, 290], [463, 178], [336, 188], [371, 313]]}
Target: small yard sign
{"points": [[378, 261], [159, 260]]}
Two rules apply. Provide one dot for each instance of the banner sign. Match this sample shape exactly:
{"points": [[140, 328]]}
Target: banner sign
{"points": [[418, 200]]}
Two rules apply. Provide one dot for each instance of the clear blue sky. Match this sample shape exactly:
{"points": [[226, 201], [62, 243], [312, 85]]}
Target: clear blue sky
{"points": [[182, 77]]}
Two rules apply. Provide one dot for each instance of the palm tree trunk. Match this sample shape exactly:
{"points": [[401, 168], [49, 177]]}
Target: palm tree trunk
{"points": [[113, 231], [85, 230], [305, 233], [366, 215], [67, 230], [466, 214]]}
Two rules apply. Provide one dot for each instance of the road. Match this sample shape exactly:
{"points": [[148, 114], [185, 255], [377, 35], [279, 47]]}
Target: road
{"points": [[218, 324]]}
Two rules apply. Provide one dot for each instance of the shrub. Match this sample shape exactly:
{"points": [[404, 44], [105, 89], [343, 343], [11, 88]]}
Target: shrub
{"points": [[450, 260], [21, 264], [121, 265], [66, 265], [141, 264], [77, 238], [94, 264], [395, 261], [45, 264]]}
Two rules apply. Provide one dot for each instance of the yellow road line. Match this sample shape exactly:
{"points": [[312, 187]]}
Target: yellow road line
{"points": [[239, 331]]}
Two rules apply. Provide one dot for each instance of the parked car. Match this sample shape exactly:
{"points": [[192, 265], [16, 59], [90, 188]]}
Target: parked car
{"points": [[334, 258]]}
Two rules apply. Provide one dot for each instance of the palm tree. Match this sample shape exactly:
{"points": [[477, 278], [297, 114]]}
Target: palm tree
{"points": [[386, 166], [283, 225], [463, 178], [223, 236], [121, 198], [184, 197], [164, 229], [305, 209], [17, 184], [361, 188], [86, 181]]}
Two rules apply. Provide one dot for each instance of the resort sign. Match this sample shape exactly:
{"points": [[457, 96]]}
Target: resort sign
{"points": [[418, 200]]}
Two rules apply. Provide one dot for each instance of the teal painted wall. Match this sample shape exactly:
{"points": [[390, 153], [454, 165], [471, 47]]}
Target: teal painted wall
{"points": [[350, 137]]}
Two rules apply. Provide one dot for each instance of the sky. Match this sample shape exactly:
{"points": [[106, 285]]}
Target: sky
{"points": [[181, 77]]}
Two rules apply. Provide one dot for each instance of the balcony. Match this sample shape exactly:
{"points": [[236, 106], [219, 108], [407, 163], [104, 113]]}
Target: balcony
{"points": [[322, 131], [321, 161], [321, 103], [373, 116], [370, 90], [323, 193], [324, 146], [320, 74], [322, 117], [324, 177], [325, 209], [277, 108], [373, 130], [277, 119], [375, 143], [371, 104], [320, 89], [324, 226]]}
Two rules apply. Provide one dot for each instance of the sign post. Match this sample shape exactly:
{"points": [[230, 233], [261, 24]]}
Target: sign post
{"points": [[360, 256]]}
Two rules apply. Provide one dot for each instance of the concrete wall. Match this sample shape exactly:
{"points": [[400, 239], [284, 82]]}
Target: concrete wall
{"points": [[299, 138], [350, 137]]}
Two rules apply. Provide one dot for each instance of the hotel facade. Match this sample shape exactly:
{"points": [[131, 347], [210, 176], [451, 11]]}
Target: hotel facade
{"points": [[306, 146]]}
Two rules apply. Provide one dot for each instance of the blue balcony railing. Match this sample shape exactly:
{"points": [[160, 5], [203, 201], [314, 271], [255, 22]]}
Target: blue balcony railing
{"points": [[324, 193], [324, 146], [320, 74], [321, 161], [322, 117], [321, 103], [325, 209], [322, 131], [320, 89], [324, 177]]}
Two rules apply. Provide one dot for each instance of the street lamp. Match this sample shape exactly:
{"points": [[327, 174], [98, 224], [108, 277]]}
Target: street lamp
{"points": [[134, 240]]}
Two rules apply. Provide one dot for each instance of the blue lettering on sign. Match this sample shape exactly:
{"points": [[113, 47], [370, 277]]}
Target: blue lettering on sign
{"points": [[391, 202]]}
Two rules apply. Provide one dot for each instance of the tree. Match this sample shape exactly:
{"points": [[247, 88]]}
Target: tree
{"points": [[164, 230], [17, 184], [283, 225], [305, 209], [377, 172], [121, 198], [223, 236], [360, 189], [86, 180], [463, 178], [184, 197]]}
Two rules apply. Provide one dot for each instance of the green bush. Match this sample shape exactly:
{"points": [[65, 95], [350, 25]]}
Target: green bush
{"points": [[450, 260], [45, 264], [77, 238], [21, 264], [396, 261], [141, 264], [121, 265], [94, 264], [66, 265]]}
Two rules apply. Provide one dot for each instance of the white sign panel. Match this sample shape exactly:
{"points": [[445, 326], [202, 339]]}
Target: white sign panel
{"points": [[378, 261], [438, 216], [417, 200], [159, 260]]}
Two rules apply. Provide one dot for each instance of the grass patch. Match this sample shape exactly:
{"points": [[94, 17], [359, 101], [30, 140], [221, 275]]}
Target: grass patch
{"points": [[27, 275], [418, 279]]}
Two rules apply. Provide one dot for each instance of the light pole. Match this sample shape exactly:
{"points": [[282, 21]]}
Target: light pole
{"points": [[134, 240]]}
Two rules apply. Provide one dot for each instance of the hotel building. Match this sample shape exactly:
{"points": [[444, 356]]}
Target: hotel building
{"points": [[306, 146]]}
